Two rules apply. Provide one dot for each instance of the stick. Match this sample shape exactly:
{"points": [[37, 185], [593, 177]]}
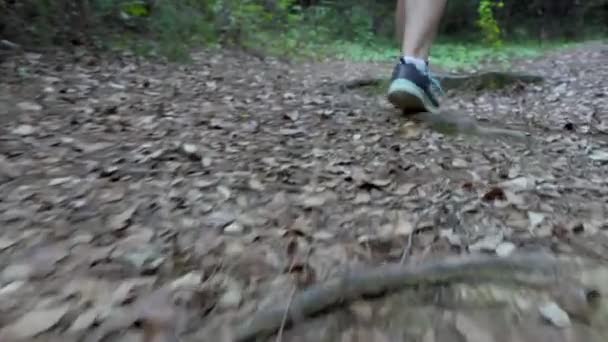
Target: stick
{"points": [[284, 320], [530, 269]]}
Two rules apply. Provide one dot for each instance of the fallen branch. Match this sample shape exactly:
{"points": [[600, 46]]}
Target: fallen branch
{"points": [[531, 270]]}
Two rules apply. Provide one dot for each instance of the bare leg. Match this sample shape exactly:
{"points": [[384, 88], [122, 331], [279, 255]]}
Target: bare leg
{"points": [[417, 22]]}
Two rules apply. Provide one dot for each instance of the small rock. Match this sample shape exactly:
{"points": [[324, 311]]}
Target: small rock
{"points": [[554, 314], [505, 249]]}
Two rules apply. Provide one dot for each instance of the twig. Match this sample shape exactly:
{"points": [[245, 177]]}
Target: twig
{"points": [[529, 269], [284, 320], [410, 239], [406, 250]]}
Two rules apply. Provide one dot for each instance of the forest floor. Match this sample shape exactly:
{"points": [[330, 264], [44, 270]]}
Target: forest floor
{"points": [[142, 201]]}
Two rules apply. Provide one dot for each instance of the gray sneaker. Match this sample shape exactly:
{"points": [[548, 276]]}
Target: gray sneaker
{"points": [[410, 89]]}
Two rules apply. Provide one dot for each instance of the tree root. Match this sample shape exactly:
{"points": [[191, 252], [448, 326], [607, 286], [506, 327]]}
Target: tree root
{"points": [[450, 122], [489, 80], [531, 270]]}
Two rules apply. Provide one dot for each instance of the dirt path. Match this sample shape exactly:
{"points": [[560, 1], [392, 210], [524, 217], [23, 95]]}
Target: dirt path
{"points": [[233, 181]]}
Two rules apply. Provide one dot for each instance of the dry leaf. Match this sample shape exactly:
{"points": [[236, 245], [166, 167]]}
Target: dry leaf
{"points": [[404, 225], [554, 314], [471, 330], [487, 244], [84, 321], [535, 218], [122, 220], [505, 249], [34, 323], [24, 130]]}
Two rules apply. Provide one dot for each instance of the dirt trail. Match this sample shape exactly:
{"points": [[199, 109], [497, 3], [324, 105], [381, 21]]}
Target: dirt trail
{"points": [[232, 181]]}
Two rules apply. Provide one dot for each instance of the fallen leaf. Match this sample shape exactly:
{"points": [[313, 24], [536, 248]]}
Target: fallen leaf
{"points": [[535, 218], [234, 228], [159, 317], [459, 163], [487, 244], [471, 330], [452, 238], [24, 130], [518, 184], [29, 106], [220, 219], [293, 116], [555, 315], [405, 189], [122, 220], [362, 198], [190, 151], [494, 194], [231, 298], [316, 200], [255, 184], [599, 155], [404, 225], [7, 169], [323, 235], [35, 323], [6, 243], [85, 320], [505, 249], [190, 281]]}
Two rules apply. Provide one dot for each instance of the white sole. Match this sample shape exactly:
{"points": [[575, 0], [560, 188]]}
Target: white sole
{"points": [[406, 95]]}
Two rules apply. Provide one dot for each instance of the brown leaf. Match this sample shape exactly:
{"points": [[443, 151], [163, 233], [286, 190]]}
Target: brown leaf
{"points": [[7, 169], [85, 320], [34, 323], [471, 330], [158, 315], [122, 220], [494, 194]]}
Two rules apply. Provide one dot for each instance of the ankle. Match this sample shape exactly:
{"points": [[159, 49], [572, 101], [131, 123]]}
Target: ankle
{"points": [[420, 63]]}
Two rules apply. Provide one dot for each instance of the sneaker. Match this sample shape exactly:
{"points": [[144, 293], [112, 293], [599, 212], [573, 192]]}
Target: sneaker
{"points": [[410, 89]]}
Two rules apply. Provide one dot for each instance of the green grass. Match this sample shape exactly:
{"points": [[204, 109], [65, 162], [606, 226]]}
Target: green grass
{"points": [[448, 55]]}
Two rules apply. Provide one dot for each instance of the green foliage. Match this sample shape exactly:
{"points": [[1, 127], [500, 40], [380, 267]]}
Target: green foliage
{"points": [[487, 23], [360, 30]]}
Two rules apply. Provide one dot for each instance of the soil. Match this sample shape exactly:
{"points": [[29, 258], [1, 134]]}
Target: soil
{"points": [[148, 201]]}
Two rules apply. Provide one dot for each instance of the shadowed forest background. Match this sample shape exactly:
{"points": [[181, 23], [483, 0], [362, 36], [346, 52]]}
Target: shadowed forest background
{"points": [[361, 30], [225, 170]]}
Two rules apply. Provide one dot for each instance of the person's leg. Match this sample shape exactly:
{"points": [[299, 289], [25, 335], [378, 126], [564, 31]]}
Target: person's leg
{"points": [[417, 23]]}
